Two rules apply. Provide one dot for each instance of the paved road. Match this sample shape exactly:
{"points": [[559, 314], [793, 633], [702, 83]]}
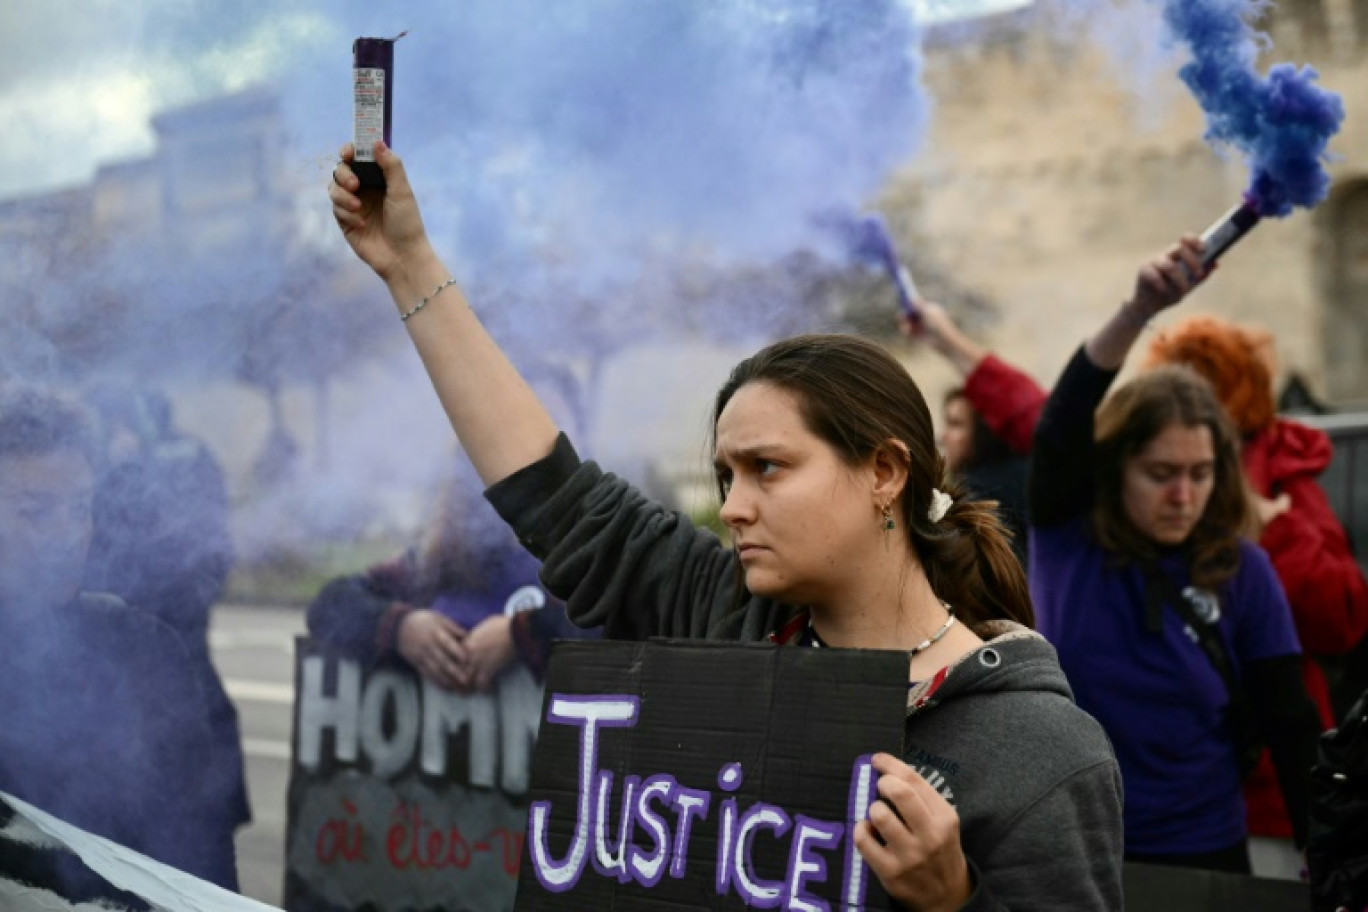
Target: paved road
{"points": [[253, 648]]}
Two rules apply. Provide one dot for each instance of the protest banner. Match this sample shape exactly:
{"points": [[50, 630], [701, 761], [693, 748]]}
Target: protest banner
{"points": [[674, 775], [48, 865], [404, 796]]}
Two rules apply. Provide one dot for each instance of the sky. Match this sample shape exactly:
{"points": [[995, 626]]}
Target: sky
{"points": [[83, 77]]}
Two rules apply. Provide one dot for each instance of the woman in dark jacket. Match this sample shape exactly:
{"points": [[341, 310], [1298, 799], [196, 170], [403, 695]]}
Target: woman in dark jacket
{"points": [[846, 531]]}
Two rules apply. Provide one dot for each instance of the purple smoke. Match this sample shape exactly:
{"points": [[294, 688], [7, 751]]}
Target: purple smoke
{"points": [[867, 239], [1280, 122], [605, 133]]}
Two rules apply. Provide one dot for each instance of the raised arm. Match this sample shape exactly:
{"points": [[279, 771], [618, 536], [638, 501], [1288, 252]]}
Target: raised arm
{"points": [[1008, 400], [1060, 485], [1159, 284], [500, 421], [939, 331]]}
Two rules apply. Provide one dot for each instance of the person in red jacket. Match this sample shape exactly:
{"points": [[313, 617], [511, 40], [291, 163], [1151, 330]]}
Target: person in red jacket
{"points": [[988, 421], [1007, 399], [1310, 551]]}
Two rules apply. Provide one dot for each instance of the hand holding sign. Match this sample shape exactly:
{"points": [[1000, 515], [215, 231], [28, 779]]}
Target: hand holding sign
{"points": [[433, 644], [914, 852]]}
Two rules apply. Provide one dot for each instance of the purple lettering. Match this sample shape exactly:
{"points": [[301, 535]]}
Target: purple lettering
{"points": [[759, 893], [607, 864], [689, 803], [648, 867], [805, 865], [591, 713], [725, 838], [862, 794], [729, 779]]}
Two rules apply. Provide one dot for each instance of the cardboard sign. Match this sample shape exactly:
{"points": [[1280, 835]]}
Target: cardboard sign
{"points": [[403, 795], [674, 775]]}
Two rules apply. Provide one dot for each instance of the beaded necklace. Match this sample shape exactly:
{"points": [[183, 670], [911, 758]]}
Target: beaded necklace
{"points": [[812, 639]]}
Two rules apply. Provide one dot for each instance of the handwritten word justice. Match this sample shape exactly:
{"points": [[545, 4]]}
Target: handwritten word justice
{"points": [[395, 717], [664, 812]]}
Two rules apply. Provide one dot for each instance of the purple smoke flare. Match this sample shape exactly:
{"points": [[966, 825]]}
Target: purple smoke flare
{"points": [[867, 239], [1280, 122], [611, 134]]}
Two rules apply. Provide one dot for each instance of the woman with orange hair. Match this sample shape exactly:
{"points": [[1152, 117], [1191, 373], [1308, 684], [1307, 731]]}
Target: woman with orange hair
{"points": [[1292, 518]]}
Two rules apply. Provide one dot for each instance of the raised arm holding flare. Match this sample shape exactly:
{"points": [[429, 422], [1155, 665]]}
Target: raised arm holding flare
{"points": [[827, 428], [500, 421], [1172, 628], [1007, 399]]}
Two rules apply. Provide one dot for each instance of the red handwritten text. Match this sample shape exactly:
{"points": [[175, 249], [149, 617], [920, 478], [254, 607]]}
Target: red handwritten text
{"points": [[414, 843], [341, 838]]}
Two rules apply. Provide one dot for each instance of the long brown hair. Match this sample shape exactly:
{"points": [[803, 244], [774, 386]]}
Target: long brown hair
{"points": [[1126, 423], [858, 398]]}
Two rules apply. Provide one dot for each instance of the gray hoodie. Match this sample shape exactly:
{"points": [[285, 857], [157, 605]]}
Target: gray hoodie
{"points": [[1032, 777]]}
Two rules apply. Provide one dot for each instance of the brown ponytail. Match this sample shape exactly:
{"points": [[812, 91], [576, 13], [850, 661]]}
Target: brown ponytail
{"points": [[859, 399], [969, 561]]}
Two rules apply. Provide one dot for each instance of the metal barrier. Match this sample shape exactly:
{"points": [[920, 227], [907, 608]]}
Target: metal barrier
{"points": [[1346, 480], [1158, 888]]}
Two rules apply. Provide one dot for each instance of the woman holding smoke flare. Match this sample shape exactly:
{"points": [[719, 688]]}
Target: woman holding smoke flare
{"points": [[847, 532], [1004, 398], [1172, 628], [988, 420]]}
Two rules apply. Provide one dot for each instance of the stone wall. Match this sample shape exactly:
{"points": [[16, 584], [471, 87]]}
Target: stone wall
{"points": [[1047, 179]]}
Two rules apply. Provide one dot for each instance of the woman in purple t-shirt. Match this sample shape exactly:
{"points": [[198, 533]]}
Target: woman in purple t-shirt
{"points": [[1144, 582]]}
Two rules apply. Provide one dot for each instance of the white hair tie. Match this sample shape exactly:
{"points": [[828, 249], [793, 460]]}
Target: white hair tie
{"points": [[940, 505]]}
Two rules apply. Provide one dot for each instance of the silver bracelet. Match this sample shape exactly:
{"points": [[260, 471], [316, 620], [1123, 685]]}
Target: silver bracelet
{"points": [[423, 303]]}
